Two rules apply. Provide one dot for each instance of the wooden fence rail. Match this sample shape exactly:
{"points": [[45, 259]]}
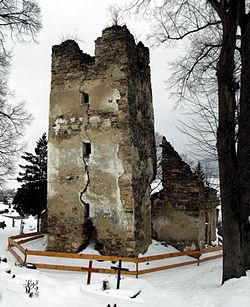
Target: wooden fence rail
{"points": [[22, 256]]}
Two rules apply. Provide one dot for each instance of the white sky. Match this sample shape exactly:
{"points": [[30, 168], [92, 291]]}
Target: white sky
{"points": [[30, 71]]}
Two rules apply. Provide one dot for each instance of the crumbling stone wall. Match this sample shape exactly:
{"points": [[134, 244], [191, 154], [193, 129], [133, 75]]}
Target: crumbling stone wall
{"points": [[101, 145], [184, 212], [211, 202]]}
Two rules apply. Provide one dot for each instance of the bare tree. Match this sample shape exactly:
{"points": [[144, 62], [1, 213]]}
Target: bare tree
{"points": [[200, 125], [193, 81], [13, 120], [116, 15], [20, 20], [71, 36], [218, 35], [209, 170]]}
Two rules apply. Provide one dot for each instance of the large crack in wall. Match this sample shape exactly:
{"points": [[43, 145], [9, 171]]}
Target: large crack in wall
{"points": [[97, 134], [86, 152]]}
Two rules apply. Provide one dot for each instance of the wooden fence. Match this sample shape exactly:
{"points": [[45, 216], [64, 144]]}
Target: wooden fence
{"points": [[22, 255]]}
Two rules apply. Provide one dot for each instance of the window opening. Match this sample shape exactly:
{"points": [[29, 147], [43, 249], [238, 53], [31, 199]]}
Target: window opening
{"points": [[84, 98], [86, 150]]}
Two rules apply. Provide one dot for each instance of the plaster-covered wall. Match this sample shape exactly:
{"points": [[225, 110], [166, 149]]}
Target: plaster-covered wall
{"points": [[101, 145]]}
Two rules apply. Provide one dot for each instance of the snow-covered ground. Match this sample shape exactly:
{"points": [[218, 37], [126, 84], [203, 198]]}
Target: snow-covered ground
{"points": [[189, 286]]}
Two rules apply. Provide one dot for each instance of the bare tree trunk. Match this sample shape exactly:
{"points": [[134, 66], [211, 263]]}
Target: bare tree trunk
{"points": [[233, 263], [244, 138]]}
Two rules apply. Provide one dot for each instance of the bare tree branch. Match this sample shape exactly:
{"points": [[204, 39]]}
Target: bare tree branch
{"points": [[20, 20]]}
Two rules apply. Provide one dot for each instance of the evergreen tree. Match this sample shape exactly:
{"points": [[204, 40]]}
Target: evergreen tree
{"points": [[31, 198], [200, 173]]}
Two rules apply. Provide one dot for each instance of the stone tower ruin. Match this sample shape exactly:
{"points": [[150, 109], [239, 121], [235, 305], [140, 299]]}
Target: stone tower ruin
{"points": [[101, 146]]}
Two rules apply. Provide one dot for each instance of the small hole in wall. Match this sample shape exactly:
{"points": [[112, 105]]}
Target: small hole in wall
{"points": [[86, 149], [84, 98], [86, 211]]}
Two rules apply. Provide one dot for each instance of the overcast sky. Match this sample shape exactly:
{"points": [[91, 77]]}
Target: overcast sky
{"points": [[30, 72]]}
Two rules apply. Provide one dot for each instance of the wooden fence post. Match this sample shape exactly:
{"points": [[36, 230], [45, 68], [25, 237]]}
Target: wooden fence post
{"points": [[137, 267], [89, 272], [8, 247], [25, 257], [198, 258]]}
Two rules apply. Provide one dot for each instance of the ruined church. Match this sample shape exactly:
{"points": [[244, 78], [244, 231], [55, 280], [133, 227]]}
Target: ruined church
{"points": [[102, 150]]}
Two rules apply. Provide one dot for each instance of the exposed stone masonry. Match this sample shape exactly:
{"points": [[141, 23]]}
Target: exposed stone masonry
{"points": [[184, 212], [101, 146]]}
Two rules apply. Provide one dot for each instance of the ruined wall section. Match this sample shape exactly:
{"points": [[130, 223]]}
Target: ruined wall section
{"points": [[183, 212], [182, 187], [91, 111], [119, 227], [108, 130], [67, 227], [211, 203], [143, 140]]}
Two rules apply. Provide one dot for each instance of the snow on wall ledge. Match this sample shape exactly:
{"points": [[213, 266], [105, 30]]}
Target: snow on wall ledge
{"points": [[101, 135]]}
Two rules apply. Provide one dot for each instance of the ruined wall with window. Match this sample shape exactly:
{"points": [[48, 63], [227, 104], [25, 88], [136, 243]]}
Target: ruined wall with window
{"points": [[184, 211], [101, 146]]}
